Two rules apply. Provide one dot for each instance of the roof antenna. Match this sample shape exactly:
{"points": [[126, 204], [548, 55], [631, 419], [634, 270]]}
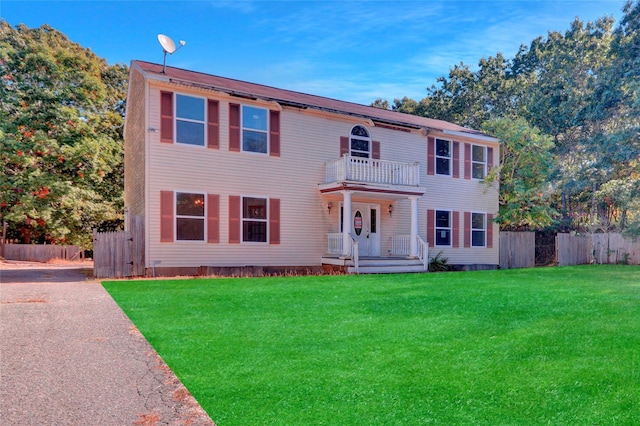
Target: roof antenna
{"points": [[168, 46]]}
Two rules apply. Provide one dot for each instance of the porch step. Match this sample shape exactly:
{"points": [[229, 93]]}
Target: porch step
{"points": [[380, 265]]}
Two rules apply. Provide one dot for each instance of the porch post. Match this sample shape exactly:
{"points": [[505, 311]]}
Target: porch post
{"points": [[346, 223], [413, 243]]}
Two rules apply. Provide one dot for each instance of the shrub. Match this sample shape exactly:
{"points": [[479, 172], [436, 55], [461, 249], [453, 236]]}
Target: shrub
{"points": [[439, 263]]}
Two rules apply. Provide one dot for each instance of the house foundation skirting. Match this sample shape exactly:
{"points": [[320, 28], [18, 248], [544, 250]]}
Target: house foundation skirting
{"points": [[266, 271], [234, 271], [474, 267]]}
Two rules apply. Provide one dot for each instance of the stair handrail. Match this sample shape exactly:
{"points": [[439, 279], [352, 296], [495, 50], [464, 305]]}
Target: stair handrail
{"points": [[355, 255], [423, 252]]}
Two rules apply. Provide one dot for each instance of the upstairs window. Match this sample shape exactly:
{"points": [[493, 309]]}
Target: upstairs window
{"points": [[478, 162], [443, 157], [254, 219], [190, 120], [360, 142], [255, 131], [443, 227], [478, 229], [190, 216]]}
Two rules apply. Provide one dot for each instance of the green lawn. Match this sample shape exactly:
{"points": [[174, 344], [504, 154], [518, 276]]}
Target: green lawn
{"points": [[552, 346]]}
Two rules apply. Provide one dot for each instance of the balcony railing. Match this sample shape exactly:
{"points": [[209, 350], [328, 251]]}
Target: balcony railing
{"points": [[358, 169]]}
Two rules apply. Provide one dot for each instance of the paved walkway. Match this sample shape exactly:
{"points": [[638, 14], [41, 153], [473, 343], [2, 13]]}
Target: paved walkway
{"points": [[69, 356]]}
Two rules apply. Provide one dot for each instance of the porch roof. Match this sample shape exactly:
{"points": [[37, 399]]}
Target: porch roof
{"points": [[368, 190]]}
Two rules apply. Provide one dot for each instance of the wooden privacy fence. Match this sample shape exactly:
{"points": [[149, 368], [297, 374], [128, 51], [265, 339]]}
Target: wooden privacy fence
{"points": [[596, 248], [517, 250], [121, 253], [41, 252]]}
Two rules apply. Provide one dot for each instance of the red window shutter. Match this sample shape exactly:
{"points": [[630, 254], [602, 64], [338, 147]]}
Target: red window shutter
{"points": [[166, 216], [274, 133], [467, 161], [166, 117], [213, 124], [467, 229], [234, 219], [431, 156], [489, 159], [431, 219], [489, 230], [274, 221], [234, 128], [213, 218], [456, 159], [344, 145], [455, 230], [375, 150]]}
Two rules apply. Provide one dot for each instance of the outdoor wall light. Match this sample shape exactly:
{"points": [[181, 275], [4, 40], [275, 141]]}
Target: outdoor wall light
{"points": [[390, 209], [329, 206]]}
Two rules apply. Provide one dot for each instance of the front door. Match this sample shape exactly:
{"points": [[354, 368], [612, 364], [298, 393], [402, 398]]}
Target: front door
{"points": [[365, 224]]}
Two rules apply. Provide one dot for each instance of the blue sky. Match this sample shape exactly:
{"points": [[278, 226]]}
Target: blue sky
{"points": [[350, 50]]}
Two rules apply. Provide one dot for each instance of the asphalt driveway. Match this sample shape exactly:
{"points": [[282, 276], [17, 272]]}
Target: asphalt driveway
{"points": [[70, 356]]}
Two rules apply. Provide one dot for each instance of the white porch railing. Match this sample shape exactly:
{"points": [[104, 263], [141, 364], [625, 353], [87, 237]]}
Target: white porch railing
{"points": [[334, 243], [360, 169], [401, 245], [355, 254]]}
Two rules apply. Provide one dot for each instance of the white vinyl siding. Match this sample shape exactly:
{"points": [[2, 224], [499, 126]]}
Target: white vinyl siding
{"points": [[293, 178]]}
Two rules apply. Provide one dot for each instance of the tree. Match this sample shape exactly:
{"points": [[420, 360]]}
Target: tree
{"points": [[381, 103], [61, 121], [581, 88], [526, 161]]}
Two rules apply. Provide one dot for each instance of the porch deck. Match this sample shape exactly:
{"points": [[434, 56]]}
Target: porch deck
{"points": [[376, 264]]}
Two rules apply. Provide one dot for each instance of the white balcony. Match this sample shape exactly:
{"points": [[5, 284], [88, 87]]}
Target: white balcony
{"points": [[367, 170]]}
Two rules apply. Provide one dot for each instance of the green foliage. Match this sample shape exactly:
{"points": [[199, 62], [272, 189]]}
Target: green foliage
{"points": [[526, 161], [61, 121], [439, 263], [581, 88], [519, 347], [381, 103]]}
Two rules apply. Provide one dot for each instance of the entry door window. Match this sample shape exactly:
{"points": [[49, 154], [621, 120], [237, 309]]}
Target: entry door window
{"points": [[358, 223]]}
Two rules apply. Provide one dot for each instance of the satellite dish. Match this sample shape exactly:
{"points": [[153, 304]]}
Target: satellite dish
{"points": [[168, 46]]}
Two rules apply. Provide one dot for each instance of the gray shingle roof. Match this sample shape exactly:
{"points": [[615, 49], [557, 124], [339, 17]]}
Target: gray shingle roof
{"points": [[302, 100]]}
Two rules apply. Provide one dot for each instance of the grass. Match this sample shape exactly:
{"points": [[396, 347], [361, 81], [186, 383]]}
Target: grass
{"points": [[517, 347]]}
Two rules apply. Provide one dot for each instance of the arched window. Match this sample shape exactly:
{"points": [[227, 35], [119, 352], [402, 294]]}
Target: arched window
{"points": [[360, 142]]}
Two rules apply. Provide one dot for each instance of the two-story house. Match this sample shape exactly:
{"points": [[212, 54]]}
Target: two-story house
{"points": [[232, 176]]}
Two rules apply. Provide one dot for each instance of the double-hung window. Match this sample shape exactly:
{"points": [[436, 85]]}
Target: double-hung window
{"points": [[443, 227], [478, 161], [360, 142], [190, 120], [478, 229], [190, 216], [443, 157], [254, 219], [255, 130]]}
